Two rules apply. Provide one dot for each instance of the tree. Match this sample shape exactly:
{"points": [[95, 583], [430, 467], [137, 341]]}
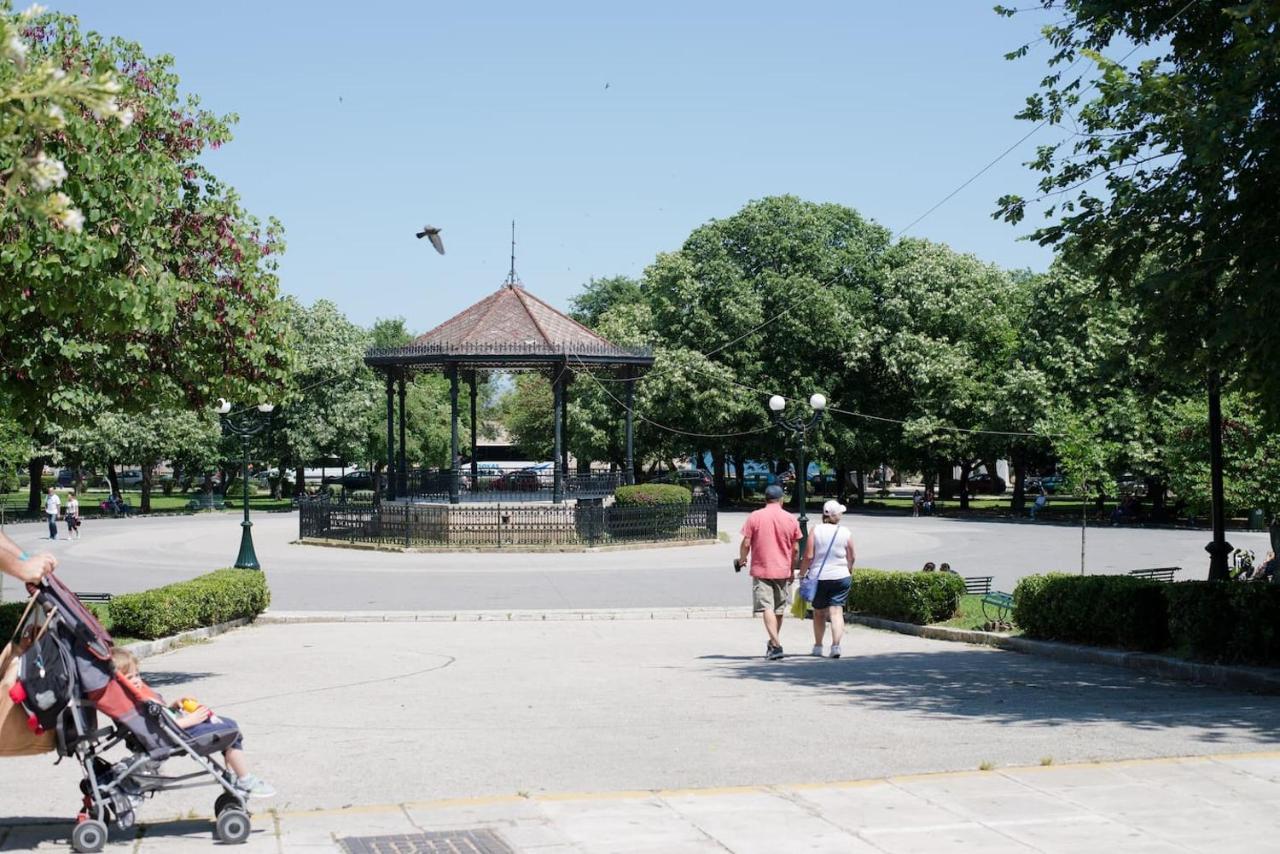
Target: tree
{"points": [[330, 395], [1086, 460], [166, 291], [600, 295]]}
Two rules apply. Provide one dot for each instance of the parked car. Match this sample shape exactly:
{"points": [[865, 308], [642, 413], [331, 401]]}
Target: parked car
{"points": [[696, 480], [986, 484], [131, 477], [1050, 483], [351, 481], [1132, 484], [524, 480]]}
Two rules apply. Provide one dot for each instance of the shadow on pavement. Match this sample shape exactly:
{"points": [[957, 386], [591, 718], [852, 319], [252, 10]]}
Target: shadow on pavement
{"points": [[1010, 688], [169, 678], [28, 833]]}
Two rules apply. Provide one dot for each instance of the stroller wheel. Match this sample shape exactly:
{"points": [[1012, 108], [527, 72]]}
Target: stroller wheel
{"points": [[233, 826], [225, 802], [89, 836]]}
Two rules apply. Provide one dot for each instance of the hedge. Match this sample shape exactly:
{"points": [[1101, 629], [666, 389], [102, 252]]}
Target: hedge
{"points": [[652, 495], [1230, 622], [228, 594], [1106, 610], [909, 597], [10, 613]]}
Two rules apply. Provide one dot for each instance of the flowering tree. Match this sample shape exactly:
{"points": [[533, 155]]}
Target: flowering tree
{"points": [[147, 285]]}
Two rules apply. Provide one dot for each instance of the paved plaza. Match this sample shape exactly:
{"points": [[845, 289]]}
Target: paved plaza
{"points": [[379, 728], [120, 555]]}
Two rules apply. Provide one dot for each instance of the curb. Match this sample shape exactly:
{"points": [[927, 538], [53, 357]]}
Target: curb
{"points": [[148, 648], [512, 616], [1258, 680], [508, 549]]}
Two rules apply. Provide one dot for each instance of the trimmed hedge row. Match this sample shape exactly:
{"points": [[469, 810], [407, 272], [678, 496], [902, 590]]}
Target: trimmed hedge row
{"points": [[228, 594], [1226, 622], [652, 495], [909, 597], [10, 613]]}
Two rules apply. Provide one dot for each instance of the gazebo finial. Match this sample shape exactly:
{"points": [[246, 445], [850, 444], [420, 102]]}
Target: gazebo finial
{"points": [[513, 281]]}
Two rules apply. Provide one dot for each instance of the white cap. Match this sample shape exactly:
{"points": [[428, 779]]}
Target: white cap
{"points": [[833, 508]]}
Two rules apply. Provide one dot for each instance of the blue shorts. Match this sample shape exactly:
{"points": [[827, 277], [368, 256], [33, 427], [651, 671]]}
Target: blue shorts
{"points": [[832, 593], [211, 728]]}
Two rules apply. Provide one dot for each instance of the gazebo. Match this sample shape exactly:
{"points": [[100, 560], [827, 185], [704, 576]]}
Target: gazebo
{"points": [[509, 330]]}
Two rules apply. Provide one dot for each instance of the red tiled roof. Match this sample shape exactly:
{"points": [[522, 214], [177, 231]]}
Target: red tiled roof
{"points": [[513, 316]]}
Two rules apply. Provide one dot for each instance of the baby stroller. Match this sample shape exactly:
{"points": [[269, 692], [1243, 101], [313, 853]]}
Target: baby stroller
{"points": [[66, 678]]}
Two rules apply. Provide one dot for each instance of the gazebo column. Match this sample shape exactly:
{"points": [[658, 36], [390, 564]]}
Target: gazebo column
{"points": [[475, 465], [629, 470], [403, 484], [557, 462], [455, 462], [391, 436], [564, 426]]}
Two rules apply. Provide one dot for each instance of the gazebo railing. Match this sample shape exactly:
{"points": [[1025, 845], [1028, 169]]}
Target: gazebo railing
{"points": [[585, 523], [521, 485]]}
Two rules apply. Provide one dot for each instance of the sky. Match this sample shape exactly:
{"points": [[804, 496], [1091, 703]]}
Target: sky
{"points": [[607, 131]]}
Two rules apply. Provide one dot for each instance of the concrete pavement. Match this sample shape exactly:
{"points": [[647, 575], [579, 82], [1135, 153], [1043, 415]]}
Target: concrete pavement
{"points": [[120, 555], [1220, 804]]}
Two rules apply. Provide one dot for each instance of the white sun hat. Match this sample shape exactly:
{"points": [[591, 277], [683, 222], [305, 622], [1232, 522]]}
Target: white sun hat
{"points": [[833, 508]]}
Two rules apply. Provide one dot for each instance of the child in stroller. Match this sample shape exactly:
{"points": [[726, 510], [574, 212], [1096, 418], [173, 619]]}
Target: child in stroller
{"points": [[66, 676], [197, 722]]}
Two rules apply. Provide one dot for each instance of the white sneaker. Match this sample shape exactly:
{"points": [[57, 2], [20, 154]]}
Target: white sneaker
{"points": [[835, 650], [817, 650], [255, 787]]}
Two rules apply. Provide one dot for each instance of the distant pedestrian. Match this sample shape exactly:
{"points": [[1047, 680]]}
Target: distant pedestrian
{"points": [[73, 515], [52, 506], [829, 556], [916, 501], [769, 537], [1042, 500]]}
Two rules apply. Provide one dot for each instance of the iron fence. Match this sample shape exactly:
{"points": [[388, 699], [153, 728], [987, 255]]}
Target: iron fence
{"points": [[586, 522]]}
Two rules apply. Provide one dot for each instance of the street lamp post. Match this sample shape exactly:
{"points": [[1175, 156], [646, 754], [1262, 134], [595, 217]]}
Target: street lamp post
{"points": [[799, 429], [244, 425]]}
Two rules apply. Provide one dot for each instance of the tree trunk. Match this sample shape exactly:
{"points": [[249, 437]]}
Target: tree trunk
{"points": [[1156, 491], [740, 474], [966, 468], [860, 486], [842, 488], [113, 483], [718, 466], [1275, 536], [35, 471], [1019, 502], [144, 506]]}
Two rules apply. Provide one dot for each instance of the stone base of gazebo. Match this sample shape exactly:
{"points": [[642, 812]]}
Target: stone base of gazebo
{"points": [[582, 522]]}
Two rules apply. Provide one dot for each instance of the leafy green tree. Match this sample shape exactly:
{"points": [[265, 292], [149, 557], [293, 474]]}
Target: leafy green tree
{"points": [[598, 296], [1086, 461], [1174, 158], [166, 290]]}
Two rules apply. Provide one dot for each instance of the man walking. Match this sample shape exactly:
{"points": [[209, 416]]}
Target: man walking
{"points": [[52, 505], [769, 537]]}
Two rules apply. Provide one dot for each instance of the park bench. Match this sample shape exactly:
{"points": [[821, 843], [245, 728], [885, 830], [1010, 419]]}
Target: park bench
{"points": [[996, 606], [977, 584], [207, 501], [94, 598], [1164, 573]]}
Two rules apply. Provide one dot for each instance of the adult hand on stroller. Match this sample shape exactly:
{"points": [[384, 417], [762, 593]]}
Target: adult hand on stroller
{"points": [[33, 569]]}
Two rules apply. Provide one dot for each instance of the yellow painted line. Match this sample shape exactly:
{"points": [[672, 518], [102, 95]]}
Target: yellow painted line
{"points": [[715, 790], [624, 795], [477, 801]]}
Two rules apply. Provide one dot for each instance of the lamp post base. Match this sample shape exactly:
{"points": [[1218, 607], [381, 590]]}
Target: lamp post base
{"points": [[247, 559]]}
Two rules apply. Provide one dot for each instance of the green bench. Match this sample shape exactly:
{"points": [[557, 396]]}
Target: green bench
{"points": [[1000, 605], [979, 585], [94, 598], [1163, 573]]}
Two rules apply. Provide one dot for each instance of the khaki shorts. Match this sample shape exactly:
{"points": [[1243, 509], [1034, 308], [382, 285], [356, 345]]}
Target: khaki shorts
{"points": [[770, 594]]}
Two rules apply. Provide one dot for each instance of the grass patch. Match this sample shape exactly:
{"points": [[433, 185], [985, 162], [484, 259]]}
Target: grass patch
{"points": [[969, 615], [16, 502]]}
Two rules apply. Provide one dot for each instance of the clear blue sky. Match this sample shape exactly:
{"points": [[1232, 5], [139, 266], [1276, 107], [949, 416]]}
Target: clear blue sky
{"points": [[465, 115]]}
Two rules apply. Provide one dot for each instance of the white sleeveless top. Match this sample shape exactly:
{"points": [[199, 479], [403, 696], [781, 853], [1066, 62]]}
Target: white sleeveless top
{"points": [[835, 566]]}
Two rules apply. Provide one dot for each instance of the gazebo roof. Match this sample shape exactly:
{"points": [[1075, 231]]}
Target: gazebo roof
{"points": [[510, 328]]}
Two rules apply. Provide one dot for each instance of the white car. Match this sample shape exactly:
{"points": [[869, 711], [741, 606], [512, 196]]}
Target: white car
{"points": [[132, 477]]}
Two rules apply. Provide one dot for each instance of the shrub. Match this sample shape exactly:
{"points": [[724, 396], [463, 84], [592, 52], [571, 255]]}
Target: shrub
{"points": [[911, 597], [228, 594], [1225, 621], [10, 613], [648, 509], [1107, 610]]}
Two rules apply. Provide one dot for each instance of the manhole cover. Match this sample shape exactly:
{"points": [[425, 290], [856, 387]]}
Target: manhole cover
{"points": [[435, 842]]}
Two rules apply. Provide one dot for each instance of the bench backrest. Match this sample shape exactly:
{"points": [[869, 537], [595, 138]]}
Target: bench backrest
{"points": [[1163, 573], [93, 597], [974, 584]]}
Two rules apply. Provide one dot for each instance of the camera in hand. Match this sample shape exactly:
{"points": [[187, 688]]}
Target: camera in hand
{"points": [[737, 565]]}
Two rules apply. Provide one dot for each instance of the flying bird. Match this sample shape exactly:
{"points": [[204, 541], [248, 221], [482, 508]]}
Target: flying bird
{"points": [[433, 234]]}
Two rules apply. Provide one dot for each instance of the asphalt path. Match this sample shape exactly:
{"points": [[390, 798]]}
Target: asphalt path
{"points": [[371, 713], [122, 555]]}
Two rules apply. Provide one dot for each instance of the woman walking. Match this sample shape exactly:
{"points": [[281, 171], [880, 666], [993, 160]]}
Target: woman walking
{"points": [[73, 515], [833, 545]]}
